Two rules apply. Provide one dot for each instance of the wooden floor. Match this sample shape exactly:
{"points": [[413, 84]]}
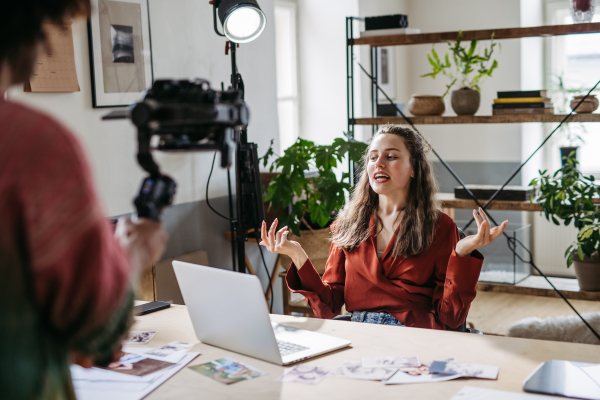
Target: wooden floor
{"points": [[493, 312]]}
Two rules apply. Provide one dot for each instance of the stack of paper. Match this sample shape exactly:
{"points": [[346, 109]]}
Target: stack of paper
{"points": [[129, 383]]}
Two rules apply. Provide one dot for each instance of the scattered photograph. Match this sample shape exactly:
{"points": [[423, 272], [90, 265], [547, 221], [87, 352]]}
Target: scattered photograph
{"points": [[466, 370], [394, 362], [132, 364], [122, 44], [227, 370], [140, 337], [170, 348], [306, 374], [355, 370], [421, 374]]}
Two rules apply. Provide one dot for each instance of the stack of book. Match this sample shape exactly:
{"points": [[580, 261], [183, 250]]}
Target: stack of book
{"points": [[387, 25], [522, 102]]}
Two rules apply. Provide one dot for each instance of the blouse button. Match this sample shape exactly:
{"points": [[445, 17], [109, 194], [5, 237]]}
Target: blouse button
{"points": [[445, 302], [448, 281]]}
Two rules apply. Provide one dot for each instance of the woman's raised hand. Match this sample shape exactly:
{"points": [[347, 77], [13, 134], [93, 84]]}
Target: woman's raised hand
{"points": [[277, 242], [484, 235]]}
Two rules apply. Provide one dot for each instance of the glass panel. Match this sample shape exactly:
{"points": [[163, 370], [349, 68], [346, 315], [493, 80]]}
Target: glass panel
{"points": [[500, 264], [523, 238]]}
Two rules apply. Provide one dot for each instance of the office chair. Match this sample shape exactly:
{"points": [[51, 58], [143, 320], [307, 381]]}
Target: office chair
{"points": [[460, 328]]}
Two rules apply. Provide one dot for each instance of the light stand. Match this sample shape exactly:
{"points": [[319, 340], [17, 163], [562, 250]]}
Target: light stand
{"points": [[249, 204]]}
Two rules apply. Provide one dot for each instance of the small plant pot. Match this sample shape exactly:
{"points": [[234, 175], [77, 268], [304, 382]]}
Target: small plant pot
{"points": [[588, 273], [426, 105], [589, 105], [565, 151], [465, 101]]}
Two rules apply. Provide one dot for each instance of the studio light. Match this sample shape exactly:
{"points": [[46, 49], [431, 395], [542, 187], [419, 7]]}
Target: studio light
{"points": [[242, 20]]}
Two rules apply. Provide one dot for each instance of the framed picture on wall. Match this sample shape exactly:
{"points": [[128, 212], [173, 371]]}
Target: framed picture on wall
{"points": [[386, 74], [120, 51]]}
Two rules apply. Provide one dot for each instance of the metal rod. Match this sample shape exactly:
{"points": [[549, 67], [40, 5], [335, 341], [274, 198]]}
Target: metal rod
{"points": [[232, 223]]}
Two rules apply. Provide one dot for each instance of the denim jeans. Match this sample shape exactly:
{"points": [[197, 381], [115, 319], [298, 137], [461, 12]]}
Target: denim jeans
{"points": [[382, 318]]}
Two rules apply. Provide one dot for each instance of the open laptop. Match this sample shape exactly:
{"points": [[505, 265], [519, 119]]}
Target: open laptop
{"points": [[228, 310]]}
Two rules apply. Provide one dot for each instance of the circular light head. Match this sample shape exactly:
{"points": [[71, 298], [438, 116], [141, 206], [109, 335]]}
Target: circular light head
{"points": [[243, 20]]}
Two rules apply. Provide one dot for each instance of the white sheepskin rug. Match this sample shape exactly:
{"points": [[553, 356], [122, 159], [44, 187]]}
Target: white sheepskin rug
{"points": [[562, 329]]}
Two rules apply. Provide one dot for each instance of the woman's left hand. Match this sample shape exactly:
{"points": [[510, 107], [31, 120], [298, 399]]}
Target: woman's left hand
{"points": [[484, 235]]}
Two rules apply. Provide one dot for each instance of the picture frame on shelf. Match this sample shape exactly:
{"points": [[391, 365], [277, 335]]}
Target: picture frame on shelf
{"points": [[120, 49], [386, 72]]}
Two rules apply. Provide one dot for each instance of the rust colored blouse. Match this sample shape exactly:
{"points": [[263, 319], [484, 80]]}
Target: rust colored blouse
{"points": [[433, 290]]}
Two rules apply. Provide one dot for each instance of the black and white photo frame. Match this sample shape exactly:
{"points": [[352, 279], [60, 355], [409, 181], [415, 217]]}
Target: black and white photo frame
{"points": [[120, 52]]}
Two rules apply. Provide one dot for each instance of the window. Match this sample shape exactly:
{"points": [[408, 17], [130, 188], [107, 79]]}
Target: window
{"points": [[575, 58], [287, 71]]}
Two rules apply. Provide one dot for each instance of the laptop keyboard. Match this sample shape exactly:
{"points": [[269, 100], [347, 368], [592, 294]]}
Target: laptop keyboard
{"points": [[287, 348]]}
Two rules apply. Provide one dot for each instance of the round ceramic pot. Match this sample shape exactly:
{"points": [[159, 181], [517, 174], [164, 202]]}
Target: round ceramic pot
{"points": [[465, 101], [588, 273], [589, 105], [426, 105]]}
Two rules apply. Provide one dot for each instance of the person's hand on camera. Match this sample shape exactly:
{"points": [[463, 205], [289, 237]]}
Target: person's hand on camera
{"points": [[144, 240], [277, 242]]}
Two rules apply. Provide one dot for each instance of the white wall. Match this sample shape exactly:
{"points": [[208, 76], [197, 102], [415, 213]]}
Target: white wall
{"points": [[322, 67], [185, 46]]}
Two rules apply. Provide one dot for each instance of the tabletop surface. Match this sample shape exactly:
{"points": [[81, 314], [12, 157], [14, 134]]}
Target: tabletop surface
{"points": [[517, 358]]}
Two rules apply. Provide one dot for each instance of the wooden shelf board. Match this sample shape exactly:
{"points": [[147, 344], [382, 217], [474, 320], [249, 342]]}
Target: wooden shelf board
{"points": [[449, 201], [537, 286], [485, 34], [477, 119]]}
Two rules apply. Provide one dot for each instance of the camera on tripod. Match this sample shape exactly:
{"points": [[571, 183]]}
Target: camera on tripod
{"points": [[185, 116]]}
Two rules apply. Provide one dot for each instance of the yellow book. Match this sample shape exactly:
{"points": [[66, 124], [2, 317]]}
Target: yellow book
{"points": [[522, 100]]}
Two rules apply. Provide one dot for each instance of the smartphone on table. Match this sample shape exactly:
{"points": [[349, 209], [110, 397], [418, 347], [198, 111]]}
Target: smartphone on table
{"points": [[151, 307]]}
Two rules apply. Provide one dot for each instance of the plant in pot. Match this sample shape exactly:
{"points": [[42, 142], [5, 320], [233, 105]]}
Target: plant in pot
{"points": [[467, 69], [309, 189], [570, 133], [568, 195]]}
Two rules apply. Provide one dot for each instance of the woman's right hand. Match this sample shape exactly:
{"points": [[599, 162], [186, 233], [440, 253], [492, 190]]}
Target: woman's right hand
{"points": [[277, 242]]}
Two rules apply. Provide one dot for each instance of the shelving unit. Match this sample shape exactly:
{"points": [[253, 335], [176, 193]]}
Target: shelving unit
{"points": [[477, 119], [485, 34], [448, 201], [436, 37]]}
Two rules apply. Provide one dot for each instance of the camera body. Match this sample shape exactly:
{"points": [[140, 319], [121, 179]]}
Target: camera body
{"points": [[186, 116]]}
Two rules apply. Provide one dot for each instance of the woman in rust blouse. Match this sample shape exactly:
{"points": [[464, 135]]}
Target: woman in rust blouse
{"points": [[395, 258]]}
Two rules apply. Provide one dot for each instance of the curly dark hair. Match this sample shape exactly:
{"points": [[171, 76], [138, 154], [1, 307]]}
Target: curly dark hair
{"points": [[21, 28]]}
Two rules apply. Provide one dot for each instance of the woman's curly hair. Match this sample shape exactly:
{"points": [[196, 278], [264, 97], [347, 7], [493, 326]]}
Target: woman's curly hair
{"points": [[21, 26]]}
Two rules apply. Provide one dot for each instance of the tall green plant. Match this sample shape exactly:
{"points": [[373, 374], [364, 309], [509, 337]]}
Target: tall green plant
{"points": [[319, 196], [567, 195], [468, 65]]}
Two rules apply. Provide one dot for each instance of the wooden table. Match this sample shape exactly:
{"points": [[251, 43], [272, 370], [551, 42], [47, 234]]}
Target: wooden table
{"points": [[517, 358]]}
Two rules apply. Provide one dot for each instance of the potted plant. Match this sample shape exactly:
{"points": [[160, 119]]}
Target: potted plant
{"points": [[309, 189], [567, 195], [570, 132], [468, 68]]}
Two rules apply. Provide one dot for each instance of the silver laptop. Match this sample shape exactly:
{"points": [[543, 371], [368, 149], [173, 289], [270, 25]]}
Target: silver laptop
{"points": [[228, 310]]}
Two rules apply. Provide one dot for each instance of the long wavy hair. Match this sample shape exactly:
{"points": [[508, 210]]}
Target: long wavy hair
{"points": [[420, 217]]}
